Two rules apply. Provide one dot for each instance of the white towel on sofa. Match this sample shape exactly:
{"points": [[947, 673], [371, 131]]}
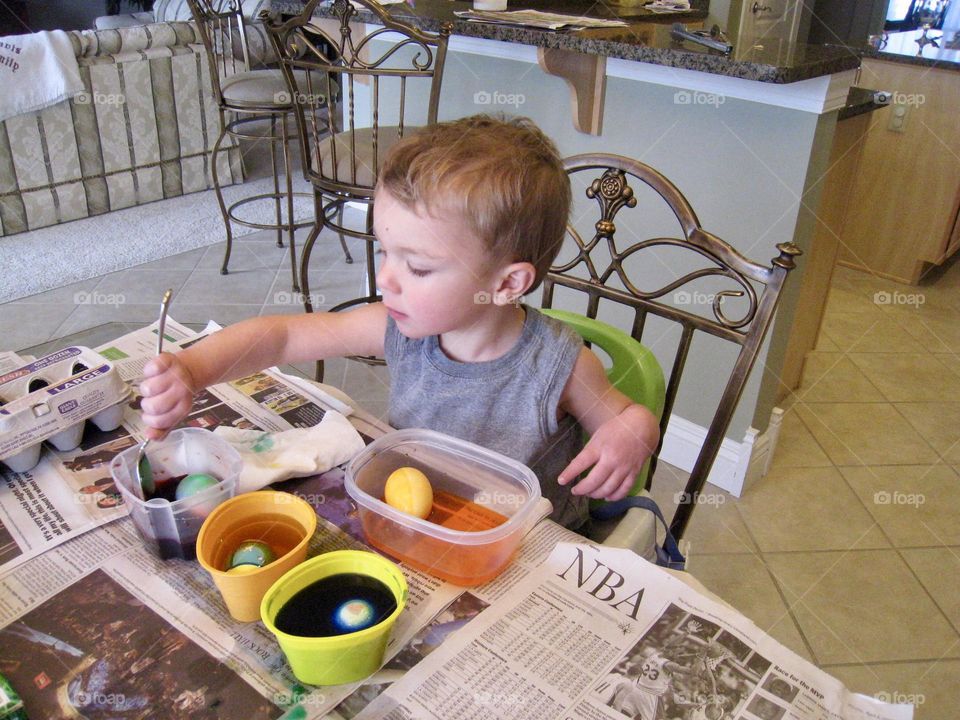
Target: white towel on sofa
{"points": [[36, 71]]}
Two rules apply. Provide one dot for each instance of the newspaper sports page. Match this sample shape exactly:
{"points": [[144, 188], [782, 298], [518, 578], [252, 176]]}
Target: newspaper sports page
{"points": [[598, 633]]}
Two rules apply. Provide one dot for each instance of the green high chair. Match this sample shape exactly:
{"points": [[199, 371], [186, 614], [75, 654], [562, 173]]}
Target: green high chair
{"points": [[635, 372]]}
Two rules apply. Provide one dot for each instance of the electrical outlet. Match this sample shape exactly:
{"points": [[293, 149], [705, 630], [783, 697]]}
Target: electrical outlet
{"points": [[898, 118]]}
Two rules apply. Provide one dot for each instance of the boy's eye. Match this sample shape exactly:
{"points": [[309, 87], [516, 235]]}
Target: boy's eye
{"points": [[418, 272]]}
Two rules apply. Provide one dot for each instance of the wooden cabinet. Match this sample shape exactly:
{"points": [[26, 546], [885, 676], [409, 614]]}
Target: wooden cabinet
{"points": [[903, 202], [954, 243]]}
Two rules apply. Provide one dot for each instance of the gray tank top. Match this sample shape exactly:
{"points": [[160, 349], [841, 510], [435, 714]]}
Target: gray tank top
{"points": [[508, 405]]}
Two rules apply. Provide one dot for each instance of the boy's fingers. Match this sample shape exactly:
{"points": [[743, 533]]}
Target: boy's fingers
{"points": [[160, 404], [609, 485], [166, 420], [592, 481], [156, 433], [153, 387], [170, 375], [626, 484], [158, 365], [584, 459]]}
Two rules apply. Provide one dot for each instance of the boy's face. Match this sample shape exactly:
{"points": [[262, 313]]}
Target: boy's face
{"points": [[434, 276]]}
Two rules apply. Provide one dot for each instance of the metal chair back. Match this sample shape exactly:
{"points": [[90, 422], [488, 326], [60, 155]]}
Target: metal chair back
{"points": [[600, 268], [223, 30], [377, 73]]}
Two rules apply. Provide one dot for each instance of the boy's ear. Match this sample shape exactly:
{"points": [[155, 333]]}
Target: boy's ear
{"points": [[514, 281]]}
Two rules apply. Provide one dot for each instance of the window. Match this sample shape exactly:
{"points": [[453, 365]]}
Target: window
{"points": [[911, 14]]}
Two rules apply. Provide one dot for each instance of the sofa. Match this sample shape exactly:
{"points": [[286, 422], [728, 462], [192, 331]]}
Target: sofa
{"points": [[142, 130]]}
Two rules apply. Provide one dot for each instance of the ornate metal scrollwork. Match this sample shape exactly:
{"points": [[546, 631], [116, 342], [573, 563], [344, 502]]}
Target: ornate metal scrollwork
{"points": [[344, 10], [612, 193], [352, 54], [356, 60]]}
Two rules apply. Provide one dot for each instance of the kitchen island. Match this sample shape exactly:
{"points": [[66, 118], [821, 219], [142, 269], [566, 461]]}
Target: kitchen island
{"points": [[746, 137]]}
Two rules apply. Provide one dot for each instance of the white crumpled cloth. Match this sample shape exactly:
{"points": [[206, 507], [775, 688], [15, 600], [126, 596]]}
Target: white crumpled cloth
{"points": [[270, 457], [36, 71]]}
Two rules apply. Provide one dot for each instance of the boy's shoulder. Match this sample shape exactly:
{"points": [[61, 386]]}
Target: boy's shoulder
{"points": [[552, 328]]}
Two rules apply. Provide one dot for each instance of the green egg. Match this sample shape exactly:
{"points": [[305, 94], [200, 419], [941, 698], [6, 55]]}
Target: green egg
{"points": [[192, 484], [252, 552]]}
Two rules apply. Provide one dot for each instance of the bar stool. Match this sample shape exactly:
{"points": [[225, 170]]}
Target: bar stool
{"points": [[247, 101], [379, 71]]}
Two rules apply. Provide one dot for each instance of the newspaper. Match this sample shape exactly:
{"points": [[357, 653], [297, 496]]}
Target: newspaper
{"points": [[537, 19], [668, 6], [107, 626], [96, 626], [69, 493], [596, 632]]}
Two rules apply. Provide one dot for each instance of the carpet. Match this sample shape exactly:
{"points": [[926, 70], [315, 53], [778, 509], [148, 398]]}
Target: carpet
{"points": [[62, 254]]}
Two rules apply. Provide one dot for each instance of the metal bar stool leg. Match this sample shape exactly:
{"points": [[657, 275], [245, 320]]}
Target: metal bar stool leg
{"points": [[276, 178], [343, 242], [371, 255], [291, 223], [216, 187], [305, 266]]}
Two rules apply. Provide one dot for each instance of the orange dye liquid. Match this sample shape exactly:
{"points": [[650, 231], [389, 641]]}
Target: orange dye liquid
{"points": [[461, 564], [457, 513]]}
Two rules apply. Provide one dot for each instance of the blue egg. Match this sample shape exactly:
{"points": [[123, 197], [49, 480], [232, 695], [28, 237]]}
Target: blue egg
{"points": [[192, 484], [252, 552], [354, 615]]}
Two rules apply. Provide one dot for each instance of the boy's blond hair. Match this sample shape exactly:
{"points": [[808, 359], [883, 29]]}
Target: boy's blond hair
{"points": [[502, 177]]}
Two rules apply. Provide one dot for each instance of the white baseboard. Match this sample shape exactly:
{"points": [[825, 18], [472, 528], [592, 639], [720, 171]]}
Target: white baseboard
{"points": [[738, 464]]}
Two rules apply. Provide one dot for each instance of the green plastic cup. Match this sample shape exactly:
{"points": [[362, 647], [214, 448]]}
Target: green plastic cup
{"points": [[335, 659]]}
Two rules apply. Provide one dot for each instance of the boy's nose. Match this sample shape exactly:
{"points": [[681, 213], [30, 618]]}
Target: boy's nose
{"points": [[386, 280]]}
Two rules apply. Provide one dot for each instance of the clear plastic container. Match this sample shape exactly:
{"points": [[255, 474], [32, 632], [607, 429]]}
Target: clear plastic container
{"points": [[484, 503], [170, 529]]}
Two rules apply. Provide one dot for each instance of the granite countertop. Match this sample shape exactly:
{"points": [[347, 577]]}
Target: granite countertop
{"points": [[647, 39], [860, 101], [902, 47]]}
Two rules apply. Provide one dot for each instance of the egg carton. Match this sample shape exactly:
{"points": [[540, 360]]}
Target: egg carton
{"points": [[51, 398]]}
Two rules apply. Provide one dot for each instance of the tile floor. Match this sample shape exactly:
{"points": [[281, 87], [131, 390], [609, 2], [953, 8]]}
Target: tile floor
{"points": [[848, 551]]}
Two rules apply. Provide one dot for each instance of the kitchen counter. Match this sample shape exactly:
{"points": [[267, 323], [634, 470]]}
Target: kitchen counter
{"points": [[902, 47], [646, 40], [860, 101]]}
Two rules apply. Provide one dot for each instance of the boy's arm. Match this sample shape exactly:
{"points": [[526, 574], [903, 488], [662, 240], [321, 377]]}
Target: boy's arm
{"points": [[622, 434], [170, 380]]}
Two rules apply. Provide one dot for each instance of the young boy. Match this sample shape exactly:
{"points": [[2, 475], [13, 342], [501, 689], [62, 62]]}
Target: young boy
{"points": [[469, 216]]}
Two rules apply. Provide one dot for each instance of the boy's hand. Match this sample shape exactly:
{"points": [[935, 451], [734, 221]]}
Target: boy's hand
{"points": [[167, 390], [616, 452]]}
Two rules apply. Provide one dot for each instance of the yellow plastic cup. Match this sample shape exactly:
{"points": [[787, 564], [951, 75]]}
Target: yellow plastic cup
{"points": [[335, 659], [284, 521]]}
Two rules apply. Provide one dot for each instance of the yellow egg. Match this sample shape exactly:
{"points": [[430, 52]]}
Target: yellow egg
{"points": [[409, 491], [242, 569]]}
